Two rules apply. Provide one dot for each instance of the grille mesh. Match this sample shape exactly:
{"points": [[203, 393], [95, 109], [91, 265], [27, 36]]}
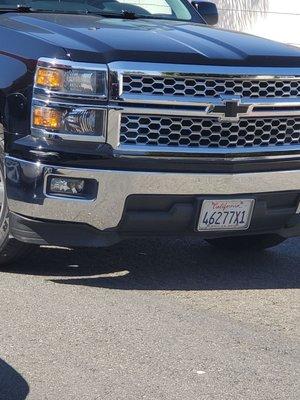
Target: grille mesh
{"points": [[212, 87], [207, 132]]}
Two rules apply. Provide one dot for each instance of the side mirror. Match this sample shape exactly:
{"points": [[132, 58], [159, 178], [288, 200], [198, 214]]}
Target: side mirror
{"points": [[208, 11]]}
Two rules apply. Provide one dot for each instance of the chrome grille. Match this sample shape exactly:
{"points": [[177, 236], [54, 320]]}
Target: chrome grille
{"points": [[167, 131], [210, 87]]}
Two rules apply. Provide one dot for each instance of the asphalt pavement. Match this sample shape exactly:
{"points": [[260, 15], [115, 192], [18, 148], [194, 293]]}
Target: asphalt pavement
{"points": [[151, 319]]}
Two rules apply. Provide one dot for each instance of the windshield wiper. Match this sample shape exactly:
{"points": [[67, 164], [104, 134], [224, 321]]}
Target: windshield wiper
{"points": [[26, 9], [19, 8], [123, 14]]}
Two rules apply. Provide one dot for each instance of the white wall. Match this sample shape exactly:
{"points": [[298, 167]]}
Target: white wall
{"points": [[274, 19]]}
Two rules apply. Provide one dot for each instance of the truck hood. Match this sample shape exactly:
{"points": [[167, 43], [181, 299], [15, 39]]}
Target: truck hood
{"points": [[98, 39]]}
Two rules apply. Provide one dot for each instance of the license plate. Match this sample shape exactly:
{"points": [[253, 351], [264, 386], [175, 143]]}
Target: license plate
{"points": [[220, 215]]}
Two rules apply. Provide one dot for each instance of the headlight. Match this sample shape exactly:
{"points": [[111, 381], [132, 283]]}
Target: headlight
{"points": [[69, 100], [64, 77], [69, 122]]}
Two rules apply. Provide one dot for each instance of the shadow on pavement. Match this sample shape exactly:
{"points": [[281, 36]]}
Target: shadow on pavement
{"points": [[12, 385], [167, 265]]}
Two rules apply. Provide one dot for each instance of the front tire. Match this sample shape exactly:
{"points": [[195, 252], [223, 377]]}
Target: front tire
{"points": [[243, 243], [10, 249]]}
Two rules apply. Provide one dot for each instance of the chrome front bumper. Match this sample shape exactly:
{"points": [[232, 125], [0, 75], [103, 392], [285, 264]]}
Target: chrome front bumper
{"points": [[27, 190]]}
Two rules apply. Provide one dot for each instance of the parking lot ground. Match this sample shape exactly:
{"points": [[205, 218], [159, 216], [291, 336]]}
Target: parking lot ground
{"points": [[151, 319]]}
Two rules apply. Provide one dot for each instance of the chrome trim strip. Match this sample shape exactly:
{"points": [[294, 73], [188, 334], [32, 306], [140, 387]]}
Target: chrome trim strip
{"points": [[162, 69], [265, 156], [58, 63], [67, 96], [43, 133], [115, 186], [113, 128], [258, 109], [206, 101], [149, 150], [62, 103], [196, 107]]}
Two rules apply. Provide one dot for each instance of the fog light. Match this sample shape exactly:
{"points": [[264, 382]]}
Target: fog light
{"points": [[69, 186]]}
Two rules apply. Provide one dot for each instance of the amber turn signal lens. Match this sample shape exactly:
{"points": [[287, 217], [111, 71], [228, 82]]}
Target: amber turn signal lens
{"points": [[45, 117], [51, 78]]}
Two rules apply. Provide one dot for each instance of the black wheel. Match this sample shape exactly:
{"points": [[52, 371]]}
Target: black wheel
{"points": [[242, 243], [10, 249]]}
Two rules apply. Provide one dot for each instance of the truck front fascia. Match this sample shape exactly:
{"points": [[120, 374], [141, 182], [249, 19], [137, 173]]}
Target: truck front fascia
{"points": [[122, 172]]}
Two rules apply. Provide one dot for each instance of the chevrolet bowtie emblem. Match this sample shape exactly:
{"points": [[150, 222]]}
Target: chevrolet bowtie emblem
{"points": [[230, 110]]}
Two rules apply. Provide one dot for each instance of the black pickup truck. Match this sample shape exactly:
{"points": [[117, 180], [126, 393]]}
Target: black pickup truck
{"points": [[124, 119]]}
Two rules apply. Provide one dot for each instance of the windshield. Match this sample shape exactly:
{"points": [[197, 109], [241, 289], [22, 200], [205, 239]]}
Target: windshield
{"points": [[169, 9]]}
